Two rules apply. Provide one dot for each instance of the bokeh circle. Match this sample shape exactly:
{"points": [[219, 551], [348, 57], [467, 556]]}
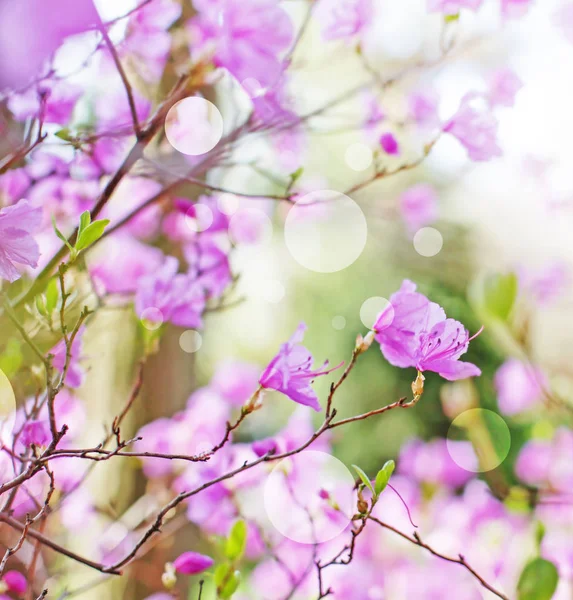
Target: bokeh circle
{"points": [[309, 497], [325, 231], [190, 341], [194, 126], [372, 307], [428, 241], [487, 432], [152, 318]]}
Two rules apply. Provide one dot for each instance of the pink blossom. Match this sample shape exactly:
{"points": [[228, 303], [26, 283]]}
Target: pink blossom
{"points": [[290, 371], [515, 8], [192, 563], [17, 245], [59, 100], [504, 85], [36, 432], [546, 284], [235, 381], [452, 7], [16, 582], [247, 37], [475, 128], [177, 297], [344, 19], [389, 144], [563, 20], [75, 373], [419, 206], [13, 185], [421, 336], [518, 386], [423, 108], [209, 265]]}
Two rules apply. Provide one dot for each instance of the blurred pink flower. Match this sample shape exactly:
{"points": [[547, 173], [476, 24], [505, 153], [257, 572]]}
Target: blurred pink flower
{"points": [[504, 85], [16, 582], [17, 245], [246, 37], [475, 128], [419, 206], [452, 7], [60, 100], [389, 144], [421, 336], [192, 563], [518, 386], [423, 107], [176, 297], [235, 381], [36, 432], [13, 185], [515, 8], [546, 284], [75, 374], [290, 371], [344, 19]]}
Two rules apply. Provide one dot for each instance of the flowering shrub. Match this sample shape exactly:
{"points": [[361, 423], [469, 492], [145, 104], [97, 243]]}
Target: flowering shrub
{"points": [[156, 165]]}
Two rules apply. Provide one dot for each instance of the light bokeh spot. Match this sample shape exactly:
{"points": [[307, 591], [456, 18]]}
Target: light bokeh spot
{"points": [[339, 322], [358, 156], [325, 231], [488, 434], [428, 241], [152, 318], [190, 341], [309, 497], [228, 204], [372, 307], [194, 126], [250, 226], [273, 291], [199, 218]]}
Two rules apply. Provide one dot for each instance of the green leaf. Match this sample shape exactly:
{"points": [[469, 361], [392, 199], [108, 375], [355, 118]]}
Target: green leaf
{"points": [[499, 294], [62, 236], [230, 586], [85, 220], [364, 478], [452, 18], [41, 304], [383, 476], [52, 295], [91, 234], [221, 573], [538, 581], [237, 541], [63, 134]]}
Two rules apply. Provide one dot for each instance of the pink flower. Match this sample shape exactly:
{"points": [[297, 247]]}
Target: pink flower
{"points": [[452, 7], [290, 371], [476, 129], [17, 246], [421, 336], [518, 386], [176, 297], [13, 185], [75, 374], [563, 20], [419, 206], [235, 381], [504, 85], [36, 432], [389, 144], [547, 284], [247, 37], [515, 8], [16, 582], [423, 106], [192, 563], [344, 19]]}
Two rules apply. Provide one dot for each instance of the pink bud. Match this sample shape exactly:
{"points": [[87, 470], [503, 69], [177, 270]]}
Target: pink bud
{"points": [[389, 144], [191, 563], [324, 494], [262, 447], [16, 582]]}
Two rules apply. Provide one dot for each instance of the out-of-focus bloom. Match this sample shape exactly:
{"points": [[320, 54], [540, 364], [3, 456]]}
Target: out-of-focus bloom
{"points": [[452, 7], [36, 432], [344, 19], [177, 297], [423, 108], [563, 20], [75, 373], [419, 206], [504, 85], [475, 128], [246, 37], [519, 386], [209, 265], [515, 8], [13, 184], [290, 371], [160, 596], [421, 336], [59, 101], [235, 381], [16, 582], [389, 144], [192, 563], [17, 245], [547, 284]]}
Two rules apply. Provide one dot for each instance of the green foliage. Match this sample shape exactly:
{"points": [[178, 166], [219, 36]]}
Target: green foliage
{"points": [[365, 480], [237, 541], [227, 579], [495, 297], [12, 357], [538, 581], [89, 233], [383, 476]]}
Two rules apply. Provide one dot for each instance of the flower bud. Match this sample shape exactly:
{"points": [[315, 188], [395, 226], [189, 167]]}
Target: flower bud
{"points": [[363, 343], [192, 563], [15, 582], [418, 385], [169, 579]]}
